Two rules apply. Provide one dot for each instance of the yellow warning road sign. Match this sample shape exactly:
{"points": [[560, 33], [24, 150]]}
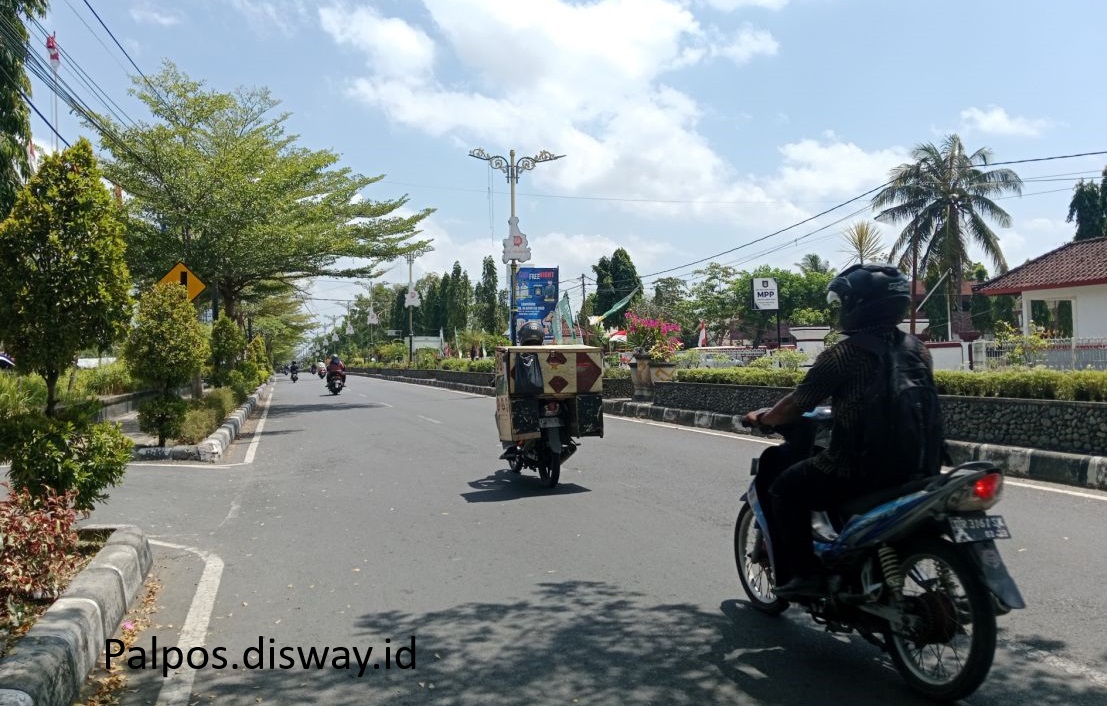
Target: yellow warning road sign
{"points": [[183, 276]]}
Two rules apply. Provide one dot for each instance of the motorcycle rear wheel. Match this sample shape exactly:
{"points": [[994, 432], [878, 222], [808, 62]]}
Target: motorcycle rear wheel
{"points": [[756, 576], [949, 654]]}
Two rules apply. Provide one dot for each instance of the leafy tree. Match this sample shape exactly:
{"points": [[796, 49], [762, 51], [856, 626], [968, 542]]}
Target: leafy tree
{"points": [[63, 278], [616, 278], [459, 300], [944, 197], [811, 262], [216, 182], [863, 243], [486, 311], [715, 300], [1089, 209], [227, 344], [167, 345], [15, 122]]}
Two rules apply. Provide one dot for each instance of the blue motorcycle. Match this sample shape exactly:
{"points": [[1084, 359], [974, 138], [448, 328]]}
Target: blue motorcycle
{"points": [[912, 569]]}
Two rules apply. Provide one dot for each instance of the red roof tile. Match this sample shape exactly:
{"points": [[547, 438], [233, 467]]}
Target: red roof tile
{"points": [[1075, 264]]}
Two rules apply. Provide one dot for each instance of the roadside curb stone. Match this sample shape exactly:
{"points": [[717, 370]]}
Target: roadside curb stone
{"points": [[211, 448], [49, 665]]}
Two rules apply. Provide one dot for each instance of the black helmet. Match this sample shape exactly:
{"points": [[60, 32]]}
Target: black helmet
{"points": [[870, 295], [531, 334]]}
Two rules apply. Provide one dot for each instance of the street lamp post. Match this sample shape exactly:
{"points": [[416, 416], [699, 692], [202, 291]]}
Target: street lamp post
{"points": [[516, 249], [411, 301]]}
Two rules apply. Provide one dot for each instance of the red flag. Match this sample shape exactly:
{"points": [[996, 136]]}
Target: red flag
{"points": [[52, 48]]}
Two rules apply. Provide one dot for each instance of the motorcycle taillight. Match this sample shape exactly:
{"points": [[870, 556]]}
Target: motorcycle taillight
{"points": [[980, 495], [551, 409]]}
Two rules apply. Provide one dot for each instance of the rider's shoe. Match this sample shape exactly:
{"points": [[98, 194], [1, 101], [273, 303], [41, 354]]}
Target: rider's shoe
{"points": [[509, 453], [802, 587]]}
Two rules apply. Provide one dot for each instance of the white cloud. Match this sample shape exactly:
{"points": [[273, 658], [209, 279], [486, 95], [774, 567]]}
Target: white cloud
{"points": [[584, 80], [833, 169], [145, 12], [747, 43], [396, 49], [732, 5], [284, 15], [996, 121]]}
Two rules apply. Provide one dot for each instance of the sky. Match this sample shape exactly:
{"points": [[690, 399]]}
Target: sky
{"points": [[690, 128]]}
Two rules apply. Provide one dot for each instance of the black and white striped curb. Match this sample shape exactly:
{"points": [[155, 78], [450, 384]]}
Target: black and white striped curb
{"points": [[49, 665]]}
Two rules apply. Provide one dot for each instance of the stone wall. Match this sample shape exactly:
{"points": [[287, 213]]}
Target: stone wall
{"points": [[1069, 427]]}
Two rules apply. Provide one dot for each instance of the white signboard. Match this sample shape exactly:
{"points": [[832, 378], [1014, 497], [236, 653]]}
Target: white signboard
{"points": [[765, 296], [412, 298], [372, 319], [515, 244]]}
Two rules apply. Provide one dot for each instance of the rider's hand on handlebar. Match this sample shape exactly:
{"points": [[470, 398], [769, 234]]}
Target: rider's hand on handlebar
{"points": [[753, 419]]}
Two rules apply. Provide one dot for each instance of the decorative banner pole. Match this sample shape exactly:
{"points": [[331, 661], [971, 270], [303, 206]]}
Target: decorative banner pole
{"points": [[516, 248]]}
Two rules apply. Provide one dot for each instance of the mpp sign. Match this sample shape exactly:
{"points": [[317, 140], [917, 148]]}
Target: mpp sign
{"points": [[765, 294]]}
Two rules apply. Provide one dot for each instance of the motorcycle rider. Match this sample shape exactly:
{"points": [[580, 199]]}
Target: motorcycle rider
{"points": [[336, 367], [530, 334], [874, 298]]}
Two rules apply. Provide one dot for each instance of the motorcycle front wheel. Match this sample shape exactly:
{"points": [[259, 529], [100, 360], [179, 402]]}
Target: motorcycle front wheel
{"points": [[949, 649], [755, 571]]}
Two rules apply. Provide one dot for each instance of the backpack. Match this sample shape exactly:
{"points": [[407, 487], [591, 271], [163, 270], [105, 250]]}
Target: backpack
{"points": [[903, 435]]}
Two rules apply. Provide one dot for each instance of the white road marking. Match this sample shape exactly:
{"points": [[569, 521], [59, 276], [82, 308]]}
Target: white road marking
{"points": [[177, 687], [428, 419], [1035, 655], [1090, 495], [695, 430], [257, 432]]}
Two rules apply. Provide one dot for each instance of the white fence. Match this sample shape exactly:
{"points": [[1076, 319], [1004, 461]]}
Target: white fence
{"points": [[1054, 353]]}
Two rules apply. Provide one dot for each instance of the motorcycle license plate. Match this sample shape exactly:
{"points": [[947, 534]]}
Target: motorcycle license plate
{"points": [[978, 529], [548, 422]]}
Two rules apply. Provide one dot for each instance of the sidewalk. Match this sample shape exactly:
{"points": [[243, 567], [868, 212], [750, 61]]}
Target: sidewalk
{"points": [[129, 424]]}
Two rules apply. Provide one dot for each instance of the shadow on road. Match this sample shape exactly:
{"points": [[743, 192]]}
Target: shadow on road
{"points": [[285, 410], [504, 485], [596, 643]]}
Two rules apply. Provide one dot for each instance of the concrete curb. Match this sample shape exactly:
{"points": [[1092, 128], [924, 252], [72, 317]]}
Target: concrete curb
{"points": [[1034, 464], [50, 663], [460, 387], [211, 448]]}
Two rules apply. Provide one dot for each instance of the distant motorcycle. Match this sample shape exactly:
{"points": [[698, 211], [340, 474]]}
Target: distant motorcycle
{"points": [[336, 381], [295, 376]]}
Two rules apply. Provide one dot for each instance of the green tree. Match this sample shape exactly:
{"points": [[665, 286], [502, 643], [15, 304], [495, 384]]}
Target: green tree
{"points": [[983, 314], [15, 122], [165, 349], [216, 182], [486, 310], [1088, 208], [811, 262], [616, 278], [63, 277], [945, 199], [863, 243], [458, 301], [227, 345], [167, 345]]}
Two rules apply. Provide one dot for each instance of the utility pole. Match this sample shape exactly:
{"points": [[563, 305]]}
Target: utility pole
{"points": [[516, 248]]}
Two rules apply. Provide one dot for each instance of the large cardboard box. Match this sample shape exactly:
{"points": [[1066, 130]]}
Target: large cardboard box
{"points": [[572, 373], [566, 369]]}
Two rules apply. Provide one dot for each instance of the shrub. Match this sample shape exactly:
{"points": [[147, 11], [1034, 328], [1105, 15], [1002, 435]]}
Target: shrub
{"points": [[21, 393], [769, 377], [239, 386], [1041, 384], [167, 345], [198, 424], [227, 343], [110, 379], [617, 373], [426, 359], [482, 365], [782, 358], [40, 543], [162, 416], [221, 401], [55, 454], [455, 364]]}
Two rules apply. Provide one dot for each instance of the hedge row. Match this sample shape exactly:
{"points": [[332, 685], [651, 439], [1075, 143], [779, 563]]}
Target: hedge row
{"points": [[1039, 384]]}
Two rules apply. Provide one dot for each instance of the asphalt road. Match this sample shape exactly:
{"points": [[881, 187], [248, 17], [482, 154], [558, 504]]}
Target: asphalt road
{"points": [[381, 518]]}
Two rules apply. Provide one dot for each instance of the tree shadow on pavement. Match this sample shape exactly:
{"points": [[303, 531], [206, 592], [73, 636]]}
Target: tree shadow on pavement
{"points": [[286, 410], [504, 485], [595, 643]]}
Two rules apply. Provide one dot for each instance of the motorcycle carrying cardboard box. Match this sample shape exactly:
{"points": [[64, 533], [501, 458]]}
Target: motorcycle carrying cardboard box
{"points": [[525, 375]]}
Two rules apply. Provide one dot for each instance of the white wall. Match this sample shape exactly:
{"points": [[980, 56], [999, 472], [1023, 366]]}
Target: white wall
{"points": [[1089, 307]]}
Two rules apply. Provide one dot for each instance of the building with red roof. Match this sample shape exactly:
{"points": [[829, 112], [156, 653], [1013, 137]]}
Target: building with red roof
{"points": [[1075, 272]]}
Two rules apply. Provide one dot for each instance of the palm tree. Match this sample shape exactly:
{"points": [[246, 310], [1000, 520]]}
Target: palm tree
{"points": [[863, 243], [944, 198], [811, 262]]}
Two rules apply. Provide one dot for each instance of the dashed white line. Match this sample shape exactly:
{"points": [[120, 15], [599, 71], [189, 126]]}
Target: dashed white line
{"points": [[428, 419]]}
